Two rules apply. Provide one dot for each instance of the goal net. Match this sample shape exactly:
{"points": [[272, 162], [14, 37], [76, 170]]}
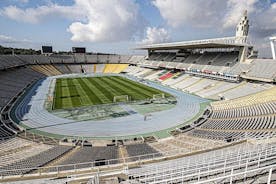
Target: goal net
{"points": [[121, 98], [158, 96]]}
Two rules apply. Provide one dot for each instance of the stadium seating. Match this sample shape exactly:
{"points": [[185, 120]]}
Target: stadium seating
{"points": [[88, 68], [63, 69], [246, 111], [185, 144], [10, 87], [252, 115], [90, 157], [136, 59], [262, 69], [22, 150], [8, 61], [166, 76], [140, 149], [114, 68], [48, 70], [40, 157], [247, 161]]}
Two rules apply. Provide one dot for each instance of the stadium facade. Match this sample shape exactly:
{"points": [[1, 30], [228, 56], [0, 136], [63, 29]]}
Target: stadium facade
{"points": [[225, 134]]}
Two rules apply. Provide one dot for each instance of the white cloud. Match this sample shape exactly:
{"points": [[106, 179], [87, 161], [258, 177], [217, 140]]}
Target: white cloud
{"points": [[198, 13], [36, 15], [235, 9], [9, 39], [221, 16], [6, 39], [93, 20], [23, 1], [107, 20], [156, 35]]}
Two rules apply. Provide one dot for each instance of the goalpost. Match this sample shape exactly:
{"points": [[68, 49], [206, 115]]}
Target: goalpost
{"points": [[121, 98], [158, 96]]}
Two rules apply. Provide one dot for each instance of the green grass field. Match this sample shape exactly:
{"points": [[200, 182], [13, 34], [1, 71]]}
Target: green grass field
{"points": [[86, 91]]}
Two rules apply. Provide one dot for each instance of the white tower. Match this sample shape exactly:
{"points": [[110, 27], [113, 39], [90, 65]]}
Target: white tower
{"points": [[272, 40], [243, 26]]}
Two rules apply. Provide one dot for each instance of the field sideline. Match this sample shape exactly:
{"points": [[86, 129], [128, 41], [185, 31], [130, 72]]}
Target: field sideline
{"points": [[85, 91]]}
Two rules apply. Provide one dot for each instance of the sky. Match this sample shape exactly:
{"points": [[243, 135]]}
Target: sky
{"points": [[117, 26]]}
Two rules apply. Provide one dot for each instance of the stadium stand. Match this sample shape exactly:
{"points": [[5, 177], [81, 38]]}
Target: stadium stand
{"points": [[140, 149], [185, 144], [40, 158], [7, 61], [230, 140], [114, 68], [247, 162], [252, 115], [20, 152], [262, 69], [63, 69], [99, 68], [90, 156], [10, 88], [88, 68], [48, 70]]}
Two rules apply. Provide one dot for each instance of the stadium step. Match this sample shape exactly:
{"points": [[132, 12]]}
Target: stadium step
{"points": [[122, 154]]}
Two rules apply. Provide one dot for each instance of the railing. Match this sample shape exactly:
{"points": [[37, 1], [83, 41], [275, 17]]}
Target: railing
{"points": [[226, 166], [140, 159], [97, 164], [120, 161], [231, 177], [265, 136]]}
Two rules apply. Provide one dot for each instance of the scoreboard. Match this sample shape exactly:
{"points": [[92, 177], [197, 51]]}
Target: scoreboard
{"points": [[81, 50], [47, 49]]}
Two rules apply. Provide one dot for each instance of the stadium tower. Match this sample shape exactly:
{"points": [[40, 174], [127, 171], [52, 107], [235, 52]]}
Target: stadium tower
{"points": [[242, 31], [272, 40], [243, 27]]}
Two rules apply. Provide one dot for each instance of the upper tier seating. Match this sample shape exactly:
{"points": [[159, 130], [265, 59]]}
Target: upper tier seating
{"points": [[9, 61], [263, 69], [136, 59]]}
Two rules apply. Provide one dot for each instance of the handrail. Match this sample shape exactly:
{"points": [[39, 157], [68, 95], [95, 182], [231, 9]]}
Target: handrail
{"points": [[111, 162]]}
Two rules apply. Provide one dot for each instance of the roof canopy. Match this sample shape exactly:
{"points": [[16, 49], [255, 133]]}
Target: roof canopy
{"points": [[227, 42]]}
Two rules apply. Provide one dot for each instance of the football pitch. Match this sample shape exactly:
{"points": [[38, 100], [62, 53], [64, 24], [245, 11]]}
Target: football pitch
{"points": [[87, 91]]}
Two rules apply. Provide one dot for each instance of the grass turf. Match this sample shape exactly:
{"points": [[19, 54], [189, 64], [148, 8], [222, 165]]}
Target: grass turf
{"points": [[77, 92]]}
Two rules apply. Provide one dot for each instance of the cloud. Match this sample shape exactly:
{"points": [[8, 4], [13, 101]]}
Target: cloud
{"points": [[235, 9], [156, 35], [38, 14], [92, 21], [23, 1], [221, 16], [198, 13], [107, 20], [8, 39]]}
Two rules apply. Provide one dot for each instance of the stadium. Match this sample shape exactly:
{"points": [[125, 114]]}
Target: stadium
{"points": [[201, 111]]}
